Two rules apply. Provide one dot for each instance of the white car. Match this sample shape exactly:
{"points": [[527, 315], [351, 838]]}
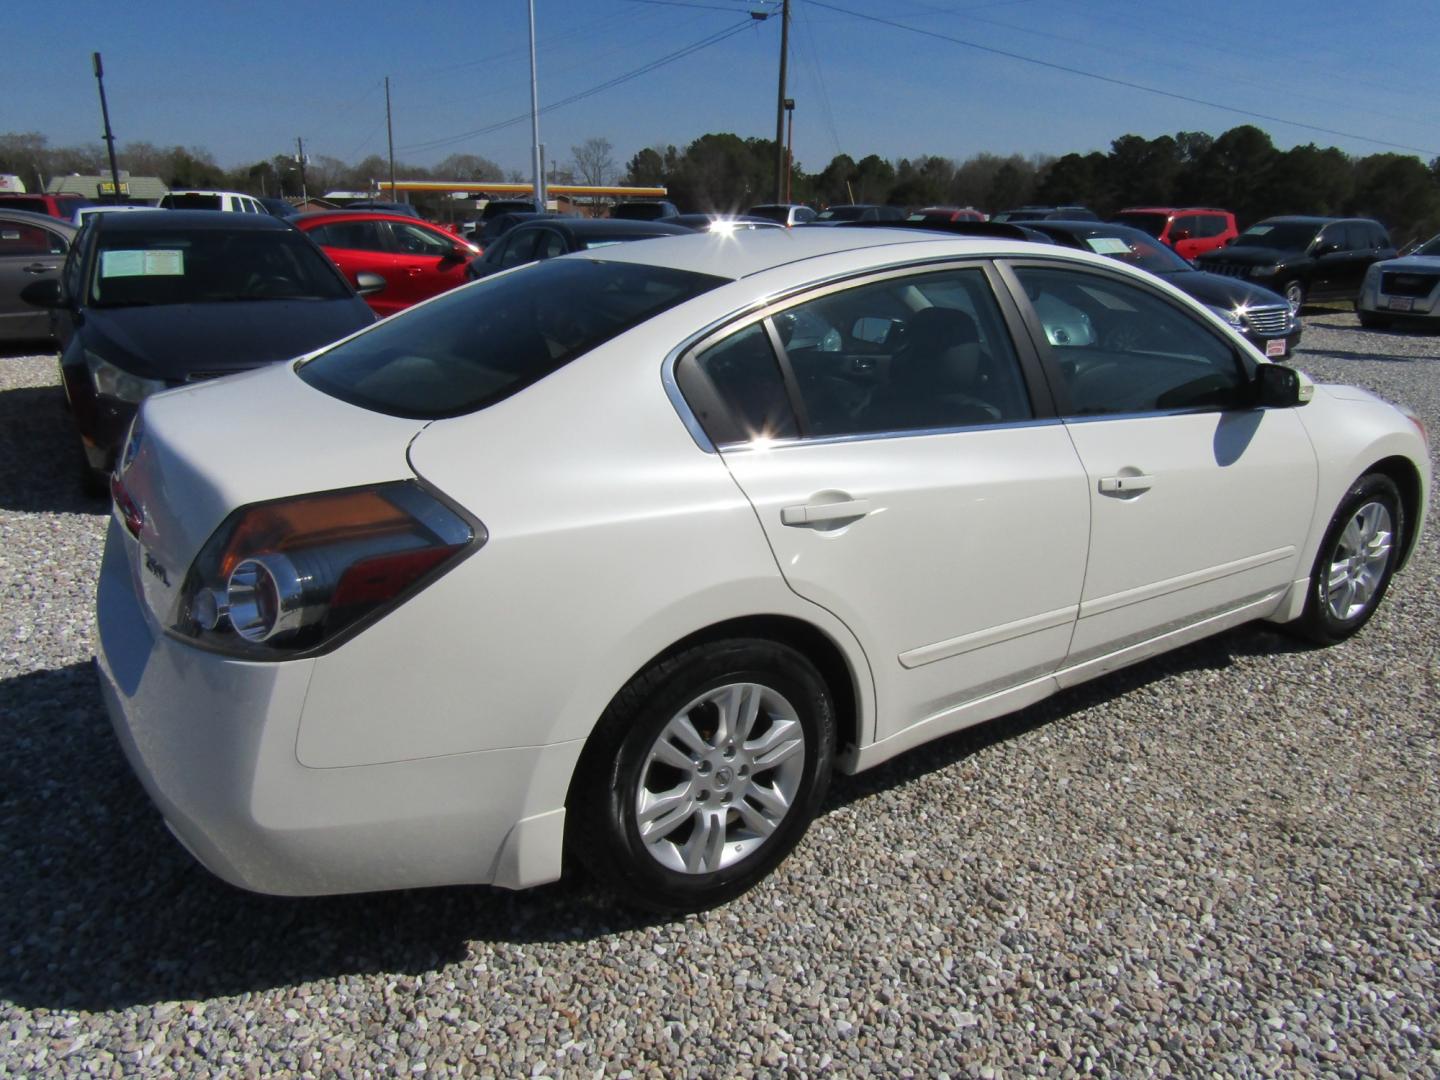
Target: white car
{"points": [[615, 556], [1405, 288], [195, 199], [84, 213]]}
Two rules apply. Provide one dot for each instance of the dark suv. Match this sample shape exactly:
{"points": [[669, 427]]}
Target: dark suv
{"points": [[1304, 258]]}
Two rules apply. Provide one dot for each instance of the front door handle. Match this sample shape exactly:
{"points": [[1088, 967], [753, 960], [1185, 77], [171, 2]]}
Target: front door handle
{"points": [[1125, 485], [42, 268], [823, 513]]}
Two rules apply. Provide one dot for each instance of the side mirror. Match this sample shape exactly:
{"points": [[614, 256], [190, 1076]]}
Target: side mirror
{"points": [[1326, 249], [1280, 387], [45, 294], [1176, 237], [368, 284]]}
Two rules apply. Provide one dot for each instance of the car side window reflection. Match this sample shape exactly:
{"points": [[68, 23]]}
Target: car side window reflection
{"points": [[351, 235], [520, 248], [921, 352], [745, 376], [1119, 348]]}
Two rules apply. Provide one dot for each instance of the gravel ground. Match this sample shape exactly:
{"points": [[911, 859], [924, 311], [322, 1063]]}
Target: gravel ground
{"points": [[1221, 862]]}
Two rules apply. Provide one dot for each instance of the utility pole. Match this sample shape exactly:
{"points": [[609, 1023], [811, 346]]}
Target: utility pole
{"points": [[390, 135], [105, 113], [300, 160], [789, 141], [539, 170], [780, 169]]}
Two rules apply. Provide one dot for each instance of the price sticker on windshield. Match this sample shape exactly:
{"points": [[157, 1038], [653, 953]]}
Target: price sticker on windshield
{"points": [[156, 263]]}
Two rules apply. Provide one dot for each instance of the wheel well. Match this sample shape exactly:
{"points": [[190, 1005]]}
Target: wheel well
{"points": [[1407, 479], [818, 648]]}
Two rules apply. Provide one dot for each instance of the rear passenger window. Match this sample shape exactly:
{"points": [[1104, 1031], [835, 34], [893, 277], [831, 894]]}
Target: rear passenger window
{"points": [[26, 240], [922, 352]]}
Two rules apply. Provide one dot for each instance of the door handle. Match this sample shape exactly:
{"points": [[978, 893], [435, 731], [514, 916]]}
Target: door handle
{"points": [[1125, 485], [40, 268], [822, 513]]}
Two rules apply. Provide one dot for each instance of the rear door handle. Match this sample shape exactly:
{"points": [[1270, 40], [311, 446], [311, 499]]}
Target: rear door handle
{"points": [[1125, 485], [820, 513]]}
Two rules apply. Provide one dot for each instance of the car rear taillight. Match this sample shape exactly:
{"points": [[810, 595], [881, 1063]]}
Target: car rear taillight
{"points": [[287, 578]]}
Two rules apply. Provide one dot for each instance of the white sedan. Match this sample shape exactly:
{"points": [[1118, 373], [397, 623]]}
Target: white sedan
{"points": [[614, 557]]}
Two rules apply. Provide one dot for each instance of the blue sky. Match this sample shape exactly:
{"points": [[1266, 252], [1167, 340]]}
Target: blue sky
{"points": [[243, 80]]}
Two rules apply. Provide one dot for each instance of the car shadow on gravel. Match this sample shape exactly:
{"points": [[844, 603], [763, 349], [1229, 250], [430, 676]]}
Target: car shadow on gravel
{"points": [[100, 908], [40, 459], [1378, 358]]}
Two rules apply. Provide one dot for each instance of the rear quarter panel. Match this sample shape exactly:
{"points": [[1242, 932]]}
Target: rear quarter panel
{"points": [[611, 535]]}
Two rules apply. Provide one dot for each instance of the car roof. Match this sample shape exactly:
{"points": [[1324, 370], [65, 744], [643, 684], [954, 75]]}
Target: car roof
{"points": [[208, 191], [754, 251], [315, 217], [605, 226], [29, 217], [187, 221], [1303, 219], [1172, 210]]}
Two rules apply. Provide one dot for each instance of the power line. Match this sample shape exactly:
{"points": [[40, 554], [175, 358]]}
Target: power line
{"points": [[654, 65], [1114, 81], [812, 59]]}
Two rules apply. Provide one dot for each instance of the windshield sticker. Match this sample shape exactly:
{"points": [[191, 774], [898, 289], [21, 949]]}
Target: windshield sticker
{"points": [[1258, 230], [159, 263], [1108, 245]]}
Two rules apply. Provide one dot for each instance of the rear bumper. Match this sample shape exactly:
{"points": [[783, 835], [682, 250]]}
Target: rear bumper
{"points": [[213, 742]]}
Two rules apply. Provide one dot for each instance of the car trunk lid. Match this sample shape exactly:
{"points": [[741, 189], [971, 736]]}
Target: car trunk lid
{"points": [[205, 450]]}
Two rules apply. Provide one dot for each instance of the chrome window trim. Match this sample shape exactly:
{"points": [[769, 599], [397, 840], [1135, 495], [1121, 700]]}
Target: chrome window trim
{"points": [[766, 446], [766, 306]]}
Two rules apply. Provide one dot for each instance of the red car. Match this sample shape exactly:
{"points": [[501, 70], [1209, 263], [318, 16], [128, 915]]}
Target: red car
{"points": [[948, 213], [416, 259], [1191, 231]]}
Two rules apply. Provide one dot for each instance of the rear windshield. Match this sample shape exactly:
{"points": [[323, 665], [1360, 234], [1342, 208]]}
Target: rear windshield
{"points": [[192, 202], [1154, 224], [480, 344]]}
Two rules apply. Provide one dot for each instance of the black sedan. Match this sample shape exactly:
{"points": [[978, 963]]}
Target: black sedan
{"points": [[545, 238], [1264, 317], [32, 247], [147, 302]]}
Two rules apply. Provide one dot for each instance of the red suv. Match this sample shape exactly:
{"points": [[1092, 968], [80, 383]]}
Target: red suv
{"points": [[417, 260], [1191, 231], [56, 206]]}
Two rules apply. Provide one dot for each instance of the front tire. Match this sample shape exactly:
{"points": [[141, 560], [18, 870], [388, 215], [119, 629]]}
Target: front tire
{"points": [[1356, 561], [1294, 292], [703, 773]]}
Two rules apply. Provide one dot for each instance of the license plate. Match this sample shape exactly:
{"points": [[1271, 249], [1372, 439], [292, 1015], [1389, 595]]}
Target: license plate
{"points": [[1400, 303], [1275, 347]]}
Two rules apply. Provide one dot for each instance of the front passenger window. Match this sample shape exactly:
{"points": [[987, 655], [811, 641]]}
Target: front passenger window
{"points": [[1119, 348]]}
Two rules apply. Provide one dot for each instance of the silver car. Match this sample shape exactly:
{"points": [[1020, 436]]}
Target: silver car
{"points": [[32, 248], [1407, 287]]}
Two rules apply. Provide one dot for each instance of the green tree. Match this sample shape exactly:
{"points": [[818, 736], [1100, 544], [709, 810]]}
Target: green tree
{"points": [[1399, 191], [646, 169]]}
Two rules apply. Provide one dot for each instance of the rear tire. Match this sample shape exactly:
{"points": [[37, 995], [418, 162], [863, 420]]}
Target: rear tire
{"points": [[703, 774], [1373, 322], [1356, 561]]}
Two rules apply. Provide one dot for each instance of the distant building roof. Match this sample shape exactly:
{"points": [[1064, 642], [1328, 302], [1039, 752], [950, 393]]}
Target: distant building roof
{"points": [[144, 188]]}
